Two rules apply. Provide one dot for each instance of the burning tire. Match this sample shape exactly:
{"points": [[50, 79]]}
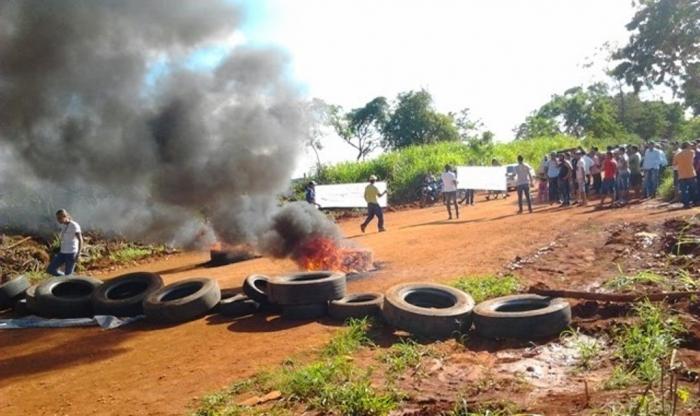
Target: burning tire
{"points": [[356, 305], [66, 297], [306, 288], [182, 301], [124, 295], [304, 312], [428, 309], [12, 290], [522, 316], [255, 287], [236, 306]]}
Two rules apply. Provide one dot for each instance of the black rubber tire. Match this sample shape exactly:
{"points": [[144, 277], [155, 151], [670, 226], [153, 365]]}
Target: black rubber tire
{"points": [[13, 290], [123, 295], [428, 309], [551, 316], [304, 312], [356, 305], [306, 288], [255, 287], [182, 301], [66, 297], [236, 306], [26, 305]]}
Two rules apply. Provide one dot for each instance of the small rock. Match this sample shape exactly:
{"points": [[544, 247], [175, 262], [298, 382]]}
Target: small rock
{"points": [[530, 369]]}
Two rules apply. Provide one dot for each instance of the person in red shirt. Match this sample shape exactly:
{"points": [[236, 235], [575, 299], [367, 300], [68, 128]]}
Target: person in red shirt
{"points": [[609, 175]]}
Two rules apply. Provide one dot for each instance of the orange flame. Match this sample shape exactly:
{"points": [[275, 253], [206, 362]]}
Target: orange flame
{"points": [[217, 246], [322, 253]]}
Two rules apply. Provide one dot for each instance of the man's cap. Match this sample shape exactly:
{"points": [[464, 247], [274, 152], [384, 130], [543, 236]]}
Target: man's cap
{"points": [[372, 177]]}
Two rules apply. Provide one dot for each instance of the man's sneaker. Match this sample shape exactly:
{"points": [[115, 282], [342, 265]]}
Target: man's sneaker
{"points": [[362, 227], [381, 230]]}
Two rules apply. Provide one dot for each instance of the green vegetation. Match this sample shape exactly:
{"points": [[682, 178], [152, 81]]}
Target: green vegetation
{"points": [[666, 190], [620, 379], [645, 277], [349, 339], [128, 254], [37, 276], [645, 346], [403, 355], [486, 287], [494, 408], [588, 348]]}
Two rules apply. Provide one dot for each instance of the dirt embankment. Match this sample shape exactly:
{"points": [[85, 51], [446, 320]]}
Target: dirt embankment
{"points": [[160, 371]]}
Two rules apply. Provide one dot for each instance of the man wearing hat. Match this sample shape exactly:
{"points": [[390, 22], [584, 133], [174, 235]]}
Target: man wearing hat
{"points": [[372, 196]]}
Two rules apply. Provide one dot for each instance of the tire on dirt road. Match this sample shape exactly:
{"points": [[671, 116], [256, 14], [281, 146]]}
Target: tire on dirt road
{"points": [[306, 288], [237, 306], [356, 305], [123, 295], [255, 287], [304, 312], [522, 316], [66, 297], [27, 305], [182, 301], [12, 290], [428, 309]]}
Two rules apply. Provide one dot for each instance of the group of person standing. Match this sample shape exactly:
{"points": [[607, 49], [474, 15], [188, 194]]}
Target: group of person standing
{"points": [[619, 173]]}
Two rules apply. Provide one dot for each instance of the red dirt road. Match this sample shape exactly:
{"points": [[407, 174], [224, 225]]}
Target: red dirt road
{"points": [[141, 370]]}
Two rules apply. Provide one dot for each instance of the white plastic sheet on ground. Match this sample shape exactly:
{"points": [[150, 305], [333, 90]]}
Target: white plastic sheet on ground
{"points": [[32, 321], [484, 178], [347, 195]]}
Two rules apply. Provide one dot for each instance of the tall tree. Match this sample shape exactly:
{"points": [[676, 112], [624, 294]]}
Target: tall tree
{"points": [[664, 49], [415, 121], [361, 127]]}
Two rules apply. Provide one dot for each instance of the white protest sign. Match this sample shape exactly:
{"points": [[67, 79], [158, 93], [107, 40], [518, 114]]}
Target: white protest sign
{"points": [[484, 178], [346, 195]]}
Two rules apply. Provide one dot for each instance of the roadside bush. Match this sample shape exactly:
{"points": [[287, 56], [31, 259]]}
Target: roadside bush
{"points": [[666, 190]]}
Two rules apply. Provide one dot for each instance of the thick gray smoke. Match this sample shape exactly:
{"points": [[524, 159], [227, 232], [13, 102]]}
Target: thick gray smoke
{"points": [[179, 158]]}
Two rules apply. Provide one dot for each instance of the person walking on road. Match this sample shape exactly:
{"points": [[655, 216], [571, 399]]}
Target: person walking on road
{"points": [[449, 190], [372, 196], [523, 180], [71, 240], [310, 194], [683, 162]]}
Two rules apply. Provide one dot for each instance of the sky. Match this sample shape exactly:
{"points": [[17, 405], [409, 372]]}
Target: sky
{"points": [[502, 59]]}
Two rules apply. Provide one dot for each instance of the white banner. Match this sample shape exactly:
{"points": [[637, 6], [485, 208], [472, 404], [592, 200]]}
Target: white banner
{"points": [[483, 178], [346, 195]]}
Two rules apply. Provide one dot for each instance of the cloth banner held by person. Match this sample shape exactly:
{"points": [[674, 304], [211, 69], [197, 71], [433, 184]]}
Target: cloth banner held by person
{"points": [[346, 195]]}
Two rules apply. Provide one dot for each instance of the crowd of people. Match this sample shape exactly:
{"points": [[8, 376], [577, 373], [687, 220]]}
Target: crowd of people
{"points": [[620, 174]]}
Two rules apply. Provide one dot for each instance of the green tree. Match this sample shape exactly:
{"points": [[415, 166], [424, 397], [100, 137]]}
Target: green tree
{"points": [[664, 49], [467, 127], [537, 125], [361, 127], [415, 121]]}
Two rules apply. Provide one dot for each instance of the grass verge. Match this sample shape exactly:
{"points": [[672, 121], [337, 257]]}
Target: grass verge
{"points": [[482, 288]]}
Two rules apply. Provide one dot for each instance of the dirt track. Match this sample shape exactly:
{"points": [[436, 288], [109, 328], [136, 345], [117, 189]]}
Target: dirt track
{"points": [[141, 370]]}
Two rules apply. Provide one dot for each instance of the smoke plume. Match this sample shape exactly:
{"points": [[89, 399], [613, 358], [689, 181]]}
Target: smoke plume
{"points": [[91, 123]]}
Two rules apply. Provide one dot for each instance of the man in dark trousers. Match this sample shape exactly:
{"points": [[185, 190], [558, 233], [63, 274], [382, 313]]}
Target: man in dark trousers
{"points": [[449, 190], [71, 239], [372, 196], [310, 193], [523, 178]]}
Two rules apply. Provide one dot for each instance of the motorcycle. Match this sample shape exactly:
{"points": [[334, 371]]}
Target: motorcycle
{"points": [[429, 192]]}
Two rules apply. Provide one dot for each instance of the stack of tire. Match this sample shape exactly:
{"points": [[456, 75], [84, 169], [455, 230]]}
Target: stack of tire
{"points": [[440, 311], [302, 296]]}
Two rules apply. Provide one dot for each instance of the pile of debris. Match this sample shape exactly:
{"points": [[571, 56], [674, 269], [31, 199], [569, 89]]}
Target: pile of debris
{"points": [[21, 254]]}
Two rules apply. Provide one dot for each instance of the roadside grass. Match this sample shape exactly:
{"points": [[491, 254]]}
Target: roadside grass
{"points": [[332, 384], [403, 355], [486, 287], [645, 277], [128, 254], [589, 349], [492, 408], [349, 339]]}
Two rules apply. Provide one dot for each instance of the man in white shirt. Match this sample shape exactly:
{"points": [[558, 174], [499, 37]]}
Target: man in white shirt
{"points": [[449, 190], [523, 180], [71, 240]]}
